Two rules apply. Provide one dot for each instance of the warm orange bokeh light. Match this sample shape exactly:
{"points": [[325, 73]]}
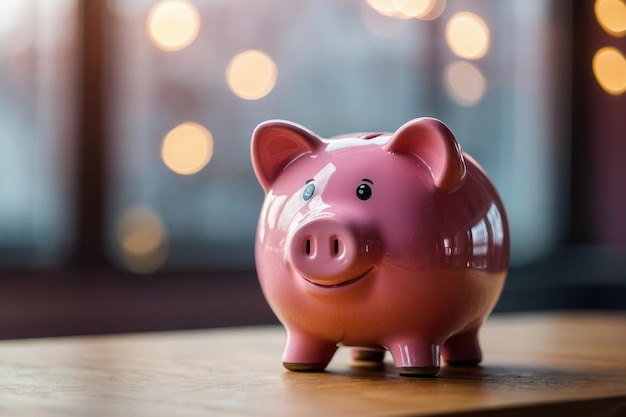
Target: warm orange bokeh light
{"points": [[173, 24], [464, 83], [404, 9], [467, 35], [142, 237], [384, 7], [187, 148], [609, 68], [251, 74], [414, 8], [436, 11], [611, 15], [380, 25]]}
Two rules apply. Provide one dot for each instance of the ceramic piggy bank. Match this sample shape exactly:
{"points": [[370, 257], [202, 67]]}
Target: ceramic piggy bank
{"points": [[379, 241]]}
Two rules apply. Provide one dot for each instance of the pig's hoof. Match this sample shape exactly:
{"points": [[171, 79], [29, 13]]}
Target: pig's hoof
{"points": [[418, 371], [368, 355], [304, 367]]}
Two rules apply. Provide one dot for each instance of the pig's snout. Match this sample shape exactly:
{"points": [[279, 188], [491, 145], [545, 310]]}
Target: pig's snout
{"points": [[331, 253]]}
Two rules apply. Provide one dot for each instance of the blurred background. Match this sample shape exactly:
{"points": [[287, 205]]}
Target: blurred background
{"points": [[127, 197]]}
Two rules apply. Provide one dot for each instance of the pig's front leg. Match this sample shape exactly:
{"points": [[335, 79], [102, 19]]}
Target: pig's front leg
{"points": [[415, 358], [305, 353]]}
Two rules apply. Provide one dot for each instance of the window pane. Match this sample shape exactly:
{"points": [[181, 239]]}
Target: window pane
{"points": [[335, 67], [37, 121]]}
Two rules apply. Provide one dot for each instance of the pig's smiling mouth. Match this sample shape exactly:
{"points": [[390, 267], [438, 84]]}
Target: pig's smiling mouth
{"points": [[343, 283]]}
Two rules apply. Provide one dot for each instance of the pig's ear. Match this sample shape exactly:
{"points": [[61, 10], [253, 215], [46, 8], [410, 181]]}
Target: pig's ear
{"points": [[431, 141], [275, 144]]}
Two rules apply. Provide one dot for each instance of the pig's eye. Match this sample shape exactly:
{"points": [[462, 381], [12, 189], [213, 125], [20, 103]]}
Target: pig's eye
{"points": [[308, 192], [364, 192]]}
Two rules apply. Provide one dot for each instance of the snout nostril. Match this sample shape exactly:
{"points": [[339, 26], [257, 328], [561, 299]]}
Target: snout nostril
{"points": [[307, 248], [336, 247]]}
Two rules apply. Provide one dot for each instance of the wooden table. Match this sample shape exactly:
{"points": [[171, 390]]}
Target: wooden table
{"points": [[535, 364]]}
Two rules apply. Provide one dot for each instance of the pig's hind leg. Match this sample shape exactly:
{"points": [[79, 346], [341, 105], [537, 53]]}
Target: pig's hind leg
{"points": [[463, 349], [367, 355]]}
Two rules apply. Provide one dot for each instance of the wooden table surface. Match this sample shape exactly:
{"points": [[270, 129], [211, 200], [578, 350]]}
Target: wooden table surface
{"points": [[535, 364]]}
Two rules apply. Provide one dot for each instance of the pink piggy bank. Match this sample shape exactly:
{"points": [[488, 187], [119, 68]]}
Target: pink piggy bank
{"points": [[380, 241]]}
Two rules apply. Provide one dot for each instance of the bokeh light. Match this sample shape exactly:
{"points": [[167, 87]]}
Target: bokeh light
{"points": [[404, 9], [251, 74], [187, 148], [414, 8], [381, 25], [464, 83], [173, 24], [611, 15], [142, 237], [384, 7], [609, 68], [467, 35], [438, 8]]}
